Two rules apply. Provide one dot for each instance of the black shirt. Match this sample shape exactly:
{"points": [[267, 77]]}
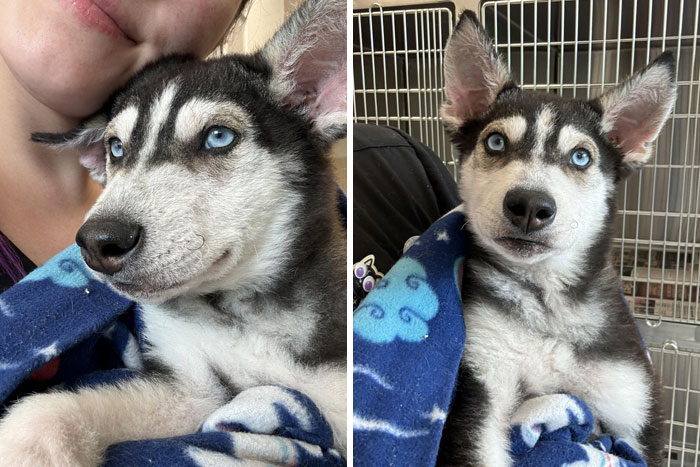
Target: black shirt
{"points": [[400, 188]]}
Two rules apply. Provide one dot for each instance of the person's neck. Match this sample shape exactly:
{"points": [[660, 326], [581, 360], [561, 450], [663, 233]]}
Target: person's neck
{"points": [[37, 183]]}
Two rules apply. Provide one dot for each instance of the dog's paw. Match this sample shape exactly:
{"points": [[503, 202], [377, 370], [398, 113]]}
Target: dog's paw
{"points": [[273, 410], [46, 430]]}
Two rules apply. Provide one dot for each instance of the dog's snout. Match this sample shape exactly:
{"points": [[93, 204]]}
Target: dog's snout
{"points": [[106, 243], [529, 210]]}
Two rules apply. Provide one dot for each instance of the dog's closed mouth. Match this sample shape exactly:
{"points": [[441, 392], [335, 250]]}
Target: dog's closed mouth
{"points": [[523, 246], [142, 288]]}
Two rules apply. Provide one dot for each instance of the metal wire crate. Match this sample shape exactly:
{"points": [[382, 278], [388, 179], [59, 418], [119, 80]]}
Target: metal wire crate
{"points": [[397, 63], [680, 375], [580, 48]]}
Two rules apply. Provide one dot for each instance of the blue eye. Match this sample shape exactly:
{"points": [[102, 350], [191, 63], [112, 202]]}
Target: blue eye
{"points": [[219, 137], [116, 147], [496, 142], [580, 158]]}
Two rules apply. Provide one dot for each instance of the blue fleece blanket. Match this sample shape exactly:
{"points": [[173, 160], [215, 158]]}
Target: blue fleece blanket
{"points": [[408, 339], [59, 325]]}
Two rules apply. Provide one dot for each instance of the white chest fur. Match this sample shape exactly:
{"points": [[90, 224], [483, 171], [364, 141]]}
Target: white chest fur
{"points": [[513, 360], [248, 355]]}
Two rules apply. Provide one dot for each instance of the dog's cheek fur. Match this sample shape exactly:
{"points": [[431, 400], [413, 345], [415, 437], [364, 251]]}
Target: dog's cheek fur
{"points": [[483, 200], [582, 204], [245, 214]]}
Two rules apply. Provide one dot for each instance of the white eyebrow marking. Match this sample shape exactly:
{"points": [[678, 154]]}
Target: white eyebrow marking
{"points": [[125, 121], [192, 117], [514, 127], [156, 119], [543, 128], [570, 137], [197, 113]]}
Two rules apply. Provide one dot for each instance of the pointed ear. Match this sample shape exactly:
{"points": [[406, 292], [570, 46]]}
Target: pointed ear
{"points": [[309, 65], [87, 140], [474, 73], [635, 111]]}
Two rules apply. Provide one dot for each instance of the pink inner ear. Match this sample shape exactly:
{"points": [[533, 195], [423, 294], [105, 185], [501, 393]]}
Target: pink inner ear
{"points": [[635, 111], [467, 102], [332, 96], [637, 124], [631, 140], [474, 74], [320, 84], [93, 158]]}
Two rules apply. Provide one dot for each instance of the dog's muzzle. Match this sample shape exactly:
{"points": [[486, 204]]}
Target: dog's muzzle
{"points": [[106, 243]]}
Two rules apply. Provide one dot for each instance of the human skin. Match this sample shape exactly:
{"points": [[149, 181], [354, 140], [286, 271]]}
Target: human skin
{"points": [[59, 61]]}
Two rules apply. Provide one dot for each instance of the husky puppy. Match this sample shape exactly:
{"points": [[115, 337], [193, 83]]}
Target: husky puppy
{"points": [[219, 215], [542, 304]]}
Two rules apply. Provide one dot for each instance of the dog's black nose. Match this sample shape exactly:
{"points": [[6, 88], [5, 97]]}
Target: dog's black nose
{"points": [[106, 243], [529, 210]]}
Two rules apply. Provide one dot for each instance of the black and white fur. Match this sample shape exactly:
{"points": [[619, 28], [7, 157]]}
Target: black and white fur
{"points": [[241, 260], [543, 309]]}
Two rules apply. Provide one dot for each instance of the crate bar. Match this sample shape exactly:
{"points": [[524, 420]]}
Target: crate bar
{"points": [[653, 183], [630, 41], [374, 70], [624, 188], [522, 39], [670, 150], [405, 43], [641, 172], [362, 67], [396, 64], [697, 431], [433, 94], [590, 49], [673, 391], [383, 55], [420, 108], [685, 415], [508, 33], [692, 172], [561, 51], [441, 97], [534, 55], [697, 198], [549, 42], [427, 80], [605, 37]]}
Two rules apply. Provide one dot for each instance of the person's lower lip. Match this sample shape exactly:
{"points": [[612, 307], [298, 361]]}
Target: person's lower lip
{"points": [[94, 17]]}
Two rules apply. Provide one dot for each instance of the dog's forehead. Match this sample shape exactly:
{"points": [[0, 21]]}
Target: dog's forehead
{"points": [[232, 75], [538, 105], [176, 100], [538, 124]]}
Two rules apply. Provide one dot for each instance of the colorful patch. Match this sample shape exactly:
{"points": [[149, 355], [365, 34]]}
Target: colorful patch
{"points": [[66, 271], [399, 307], [364, 278]]}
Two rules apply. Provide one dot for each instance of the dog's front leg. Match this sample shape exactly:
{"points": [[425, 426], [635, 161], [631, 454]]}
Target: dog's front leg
{"points": [[75, 428], [476, 431], [625, 399]]}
